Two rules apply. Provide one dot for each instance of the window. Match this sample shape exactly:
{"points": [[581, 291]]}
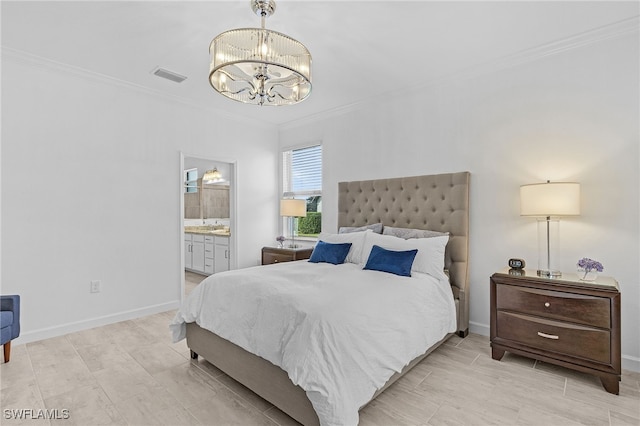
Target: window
{"points": [[302, 179], [191, 180]]}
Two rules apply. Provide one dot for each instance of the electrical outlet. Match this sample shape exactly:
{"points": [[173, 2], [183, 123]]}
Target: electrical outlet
{"points": [[95, 286]]}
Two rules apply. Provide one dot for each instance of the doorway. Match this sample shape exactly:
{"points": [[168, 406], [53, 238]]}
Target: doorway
{"points": [[208, 219]]}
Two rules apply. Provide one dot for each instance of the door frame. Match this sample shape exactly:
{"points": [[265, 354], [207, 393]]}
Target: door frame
{"points": [[233, 212]]}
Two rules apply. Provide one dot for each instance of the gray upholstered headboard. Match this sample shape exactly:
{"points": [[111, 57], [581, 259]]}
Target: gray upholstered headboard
{"points": [[434, 202]]}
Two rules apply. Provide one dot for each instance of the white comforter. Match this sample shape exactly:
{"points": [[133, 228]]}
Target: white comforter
{"points": [[340, 332]]}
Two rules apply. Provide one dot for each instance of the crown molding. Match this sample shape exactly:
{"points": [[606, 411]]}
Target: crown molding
{"points": [[320, 116], [23, 57], [612, 31]]}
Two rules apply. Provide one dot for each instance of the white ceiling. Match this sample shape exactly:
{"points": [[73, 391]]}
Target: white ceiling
{"points": [[362, 51]]}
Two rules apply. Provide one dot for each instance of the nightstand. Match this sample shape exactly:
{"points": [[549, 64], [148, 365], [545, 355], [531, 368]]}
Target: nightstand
{"points": [[562, 321], [276, 255]]}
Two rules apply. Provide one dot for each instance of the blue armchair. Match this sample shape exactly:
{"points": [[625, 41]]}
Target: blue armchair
{"points": [[9, 322]]}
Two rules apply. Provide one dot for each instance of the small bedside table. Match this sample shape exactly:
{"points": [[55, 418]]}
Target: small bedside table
{"points": [[562, 321], [276, 255]]}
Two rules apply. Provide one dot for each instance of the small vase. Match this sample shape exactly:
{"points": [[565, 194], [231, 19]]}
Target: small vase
{"points": [[587, 274]]}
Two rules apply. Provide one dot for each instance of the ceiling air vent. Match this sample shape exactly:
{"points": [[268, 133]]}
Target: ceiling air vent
{"points": [[169, 75]]}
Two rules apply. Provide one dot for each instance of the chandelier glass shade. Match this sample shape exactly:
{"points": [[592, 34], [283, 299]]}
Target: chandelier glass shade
{"points": [[260, 66]]}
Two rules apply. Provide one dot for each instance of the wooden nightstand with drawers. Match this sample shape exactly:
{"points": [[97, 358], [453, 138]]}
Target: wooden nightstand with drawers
{"points": [[276, 255], [562, 321]]}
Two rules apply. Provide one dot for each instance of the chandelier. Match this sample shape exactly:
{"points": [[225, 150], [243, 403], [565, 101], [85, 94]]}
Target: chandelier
{"points": [[260, 66]]}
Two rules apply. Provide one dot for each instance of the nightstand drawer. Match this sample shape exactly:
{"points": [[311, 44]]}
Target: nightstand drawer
{"points": [[577, 308], [278, 255], [269, 258], [559, 337]]}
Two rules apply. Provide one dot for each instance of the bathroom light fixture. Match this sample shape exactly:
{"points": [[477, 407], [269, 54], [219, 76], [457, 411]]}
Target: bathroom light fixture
{"points": [[549, 201], [212, 176], [293, 208], [260, 66]]}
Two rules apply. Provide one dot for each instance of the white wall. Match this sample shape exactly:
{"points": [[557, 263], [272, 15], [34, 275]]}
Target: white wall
{"points": [[569, 116], [104, 201]]}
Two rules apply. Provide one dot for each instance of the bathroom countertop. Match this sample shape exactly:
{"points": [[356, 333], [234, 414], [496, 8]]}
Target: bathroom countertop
{"points": [[207, 230]]}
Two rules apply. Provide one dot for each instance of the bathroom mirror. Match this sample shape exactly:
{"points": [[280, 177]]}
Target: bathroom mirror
{"points": [[205, 199]]}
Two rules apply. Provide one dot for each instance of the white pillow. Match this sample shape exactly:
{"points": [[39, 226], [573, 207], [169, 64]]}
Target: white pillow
{"points": [[375, 227], [355, 238], [430, 257], [407, 233]]}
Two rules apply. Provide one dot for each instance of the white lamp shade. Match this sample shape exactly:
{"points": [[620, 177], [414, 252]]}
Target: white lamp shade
{"points": [[293, 208], [550, 199]]}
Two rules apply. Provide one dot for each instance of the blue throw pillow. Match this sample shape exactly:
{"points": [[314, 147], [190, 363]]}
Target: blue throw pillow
{"points": [[330, 253], [394, 262]]}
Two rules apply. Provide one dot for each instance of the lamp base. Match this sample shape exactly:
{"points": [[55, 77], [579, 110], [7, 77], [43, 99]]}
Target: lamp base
{"points": [[549, 274]]}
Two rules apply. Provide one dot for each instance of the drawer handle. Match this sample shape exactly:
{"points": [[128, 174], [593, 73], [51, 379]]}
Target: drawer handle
{"points": [[548, 336], [547, 304], [276, 261]]}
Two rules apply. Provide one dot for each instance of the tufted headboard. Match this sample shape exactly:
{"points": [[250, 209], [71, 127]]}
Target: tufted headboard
{"points": [[434, 202]]}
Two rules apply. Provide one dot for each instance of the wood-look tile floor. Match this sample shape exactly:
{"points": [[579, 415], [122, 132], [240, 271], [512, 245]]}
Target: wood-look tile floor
{"points": [[129, 373]]}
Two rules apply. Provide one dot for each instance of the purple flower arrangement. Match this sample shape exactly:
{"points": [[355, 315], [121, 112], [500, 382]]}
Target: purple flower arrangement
{"points": [[589, 265], [280, 239]]}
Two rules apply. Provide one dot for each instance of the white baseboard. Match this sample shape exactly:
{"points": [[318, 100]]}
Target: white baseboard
{"points": [[60, 330], [631, 363], [477, 328], [628, 362]]}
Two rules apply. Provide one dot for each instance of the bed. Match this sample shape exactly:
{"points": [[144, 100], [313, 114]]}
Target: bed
{"points": [[433, 202]]}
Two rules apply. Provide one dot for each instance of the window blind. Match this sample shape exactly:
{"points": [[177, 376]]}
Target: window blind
{"points": [[302, 171]]}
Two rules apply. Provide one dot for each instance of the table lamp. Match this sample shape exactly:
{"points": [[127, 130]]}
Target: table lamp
{"points": [[549, 201], [293, 208]]}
